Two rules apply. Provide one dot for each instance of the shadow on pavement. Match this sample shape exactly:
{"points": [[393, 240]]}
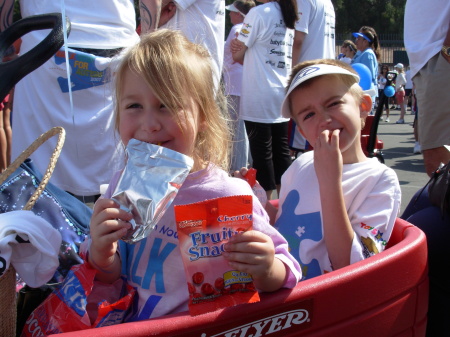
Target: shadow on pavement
{"points": [[414, 165]]}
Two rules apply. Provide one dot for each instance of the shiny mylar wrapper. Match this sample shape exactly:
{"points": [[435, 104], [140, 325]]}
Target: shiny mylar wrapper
{"points": [[148, 184]]}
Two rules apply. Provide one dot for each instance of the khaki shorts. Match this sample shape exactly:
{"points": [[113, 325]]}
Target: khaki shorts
{"points": [[433, 102]]}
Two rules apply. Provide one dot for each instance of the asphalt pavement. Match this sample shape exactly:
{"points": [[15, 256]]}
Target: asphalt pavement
{"points": [[398, 154]]}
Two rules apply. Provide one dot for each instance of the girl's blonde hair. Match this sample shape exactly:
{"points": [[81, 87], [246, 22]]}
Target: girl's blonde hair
{"points": [[180, 74]]}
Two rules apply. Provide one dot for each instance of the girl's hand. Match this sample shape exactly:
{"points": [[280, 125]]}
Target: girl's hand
{"points": [[241, 173], [253, 252], [328, 160], [108, 224], [259, 192]]}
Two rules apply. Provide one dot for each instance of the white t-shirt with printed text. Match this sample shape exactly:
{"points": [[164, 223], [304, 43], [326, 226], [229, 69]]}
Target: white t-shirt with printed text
{"points": [[267, 63], [317, 20], [91, 153], [202, 22]]}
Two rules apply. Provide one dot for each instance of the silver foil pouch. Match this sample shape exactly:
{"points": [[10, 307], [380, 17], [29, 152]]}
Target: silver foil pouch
{"points": [[148, 184]]}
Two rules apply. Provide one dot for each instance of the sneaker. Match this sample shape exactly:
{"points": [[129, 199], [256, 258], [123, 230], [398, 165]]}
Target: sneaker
{"points": [[400, 121], [387, 120], [381, 119], [417, 149]]}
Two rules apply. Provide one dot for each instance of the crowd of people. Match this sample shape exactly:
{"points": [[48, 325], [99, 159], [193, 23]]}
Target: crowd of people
{"points": [[285, 90]]}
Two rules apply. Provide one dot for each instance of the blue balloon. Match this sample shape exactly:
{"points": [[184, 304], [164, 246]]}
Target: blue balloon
{"points": [[365, 77], [389, 91]]}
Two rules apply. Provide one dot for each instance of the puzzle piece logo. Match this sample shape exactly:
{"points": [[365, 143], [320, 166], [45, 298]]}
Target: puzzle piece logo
{"points": [[300, 229], [84, 73]]}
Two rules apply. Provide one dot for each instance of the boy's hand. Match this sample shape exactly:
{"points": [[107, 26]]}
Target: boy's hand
{"points": [[108, 224], [328, 157]]}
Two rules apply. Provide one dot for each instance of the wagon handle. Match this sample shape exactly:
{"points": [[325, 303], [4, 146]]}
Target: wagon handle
{"points": [[13, 71]]}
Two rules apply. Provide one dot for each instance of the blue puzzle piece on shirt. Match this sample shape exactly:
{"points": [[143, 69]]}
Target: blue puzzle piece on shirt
{"points": [[84, 74], [296, 228]]}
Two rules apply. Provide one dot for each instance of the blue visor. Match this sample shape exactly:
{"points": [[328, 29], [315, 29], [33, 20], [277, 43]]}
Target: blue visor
{"points": [[361, 35]]}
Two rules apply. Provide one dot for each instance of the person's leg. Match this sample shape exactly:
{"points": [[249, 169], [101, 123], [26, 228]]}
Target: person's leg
{"points": [[380, 92], [260, 139], [239, 152], [417, 148], [433, 102], [418, 202], [280, 147], [407, 98], [437, 231], [402, 105], [428, 218], [400, 96]]}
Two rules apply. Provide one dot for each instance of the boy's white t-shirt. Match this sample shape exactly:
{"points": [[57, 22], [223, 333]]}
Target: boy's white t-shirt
{"points": [[202, 22], [267, 65], [372, 197]]}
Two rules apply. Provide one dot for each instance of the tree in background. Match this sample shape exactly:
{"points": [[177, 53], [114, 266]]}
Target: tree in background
{"points": [[386, 16]]}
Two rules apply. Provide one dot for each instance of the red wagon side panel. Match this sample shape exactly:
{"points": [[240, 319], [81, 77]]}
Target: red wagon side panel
{"points": [[385, 295]]}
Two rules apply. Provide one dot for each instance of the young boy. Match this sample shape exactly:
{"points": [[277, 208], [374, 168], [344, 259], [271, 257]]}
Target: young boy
{"points": [[336, 206]]}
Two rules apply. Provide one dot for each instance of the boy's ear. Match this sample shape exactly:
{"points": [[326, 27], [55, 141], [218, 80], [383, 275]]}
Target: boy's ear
{"points": [[366, 106]]}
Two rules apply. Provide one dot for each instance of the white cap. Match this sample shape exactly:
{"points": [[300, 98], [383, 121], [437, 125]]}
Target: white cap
{"points": [[232, 8], [306, 74], [399, 66]]}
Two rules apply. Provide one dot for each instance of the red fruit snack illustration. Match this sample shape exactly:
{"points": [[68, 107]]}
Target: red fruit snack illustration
{"points": [[203, 229]]}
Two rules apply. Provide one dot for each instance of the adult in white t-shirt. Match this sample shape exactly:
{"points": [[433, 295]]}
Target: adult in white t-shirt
{"points": [[314, 31], [201, 21], [427, 41], [314, 39], [266, 42], [99, 29], [400, 82]]}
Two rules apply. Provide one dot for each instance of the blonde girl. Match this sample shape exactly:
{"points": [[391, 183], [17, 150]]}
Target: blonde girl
{"points": [[165, 95]]}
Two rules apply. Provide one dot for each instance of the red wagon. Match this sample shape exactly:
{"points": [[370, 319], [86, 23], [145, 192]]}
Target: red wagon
{"points": [[384, 295]]}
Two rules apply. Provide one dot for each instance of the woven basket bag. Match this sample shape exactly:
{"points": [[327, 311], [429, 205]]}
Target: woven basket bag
{"points": [[8, 309]]}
